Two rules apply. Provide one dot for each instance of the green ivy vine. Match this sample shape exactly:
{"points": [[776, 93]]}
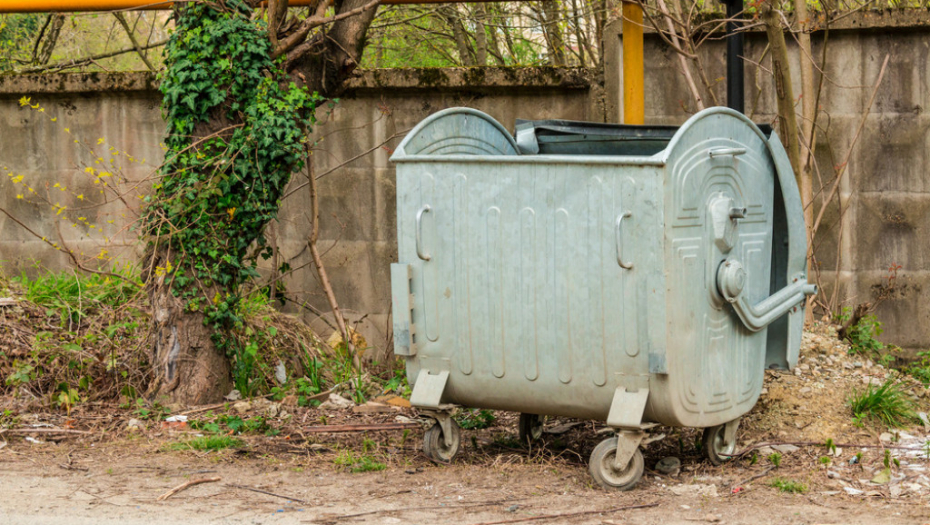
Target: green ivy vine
{"points": [[236, 131]]}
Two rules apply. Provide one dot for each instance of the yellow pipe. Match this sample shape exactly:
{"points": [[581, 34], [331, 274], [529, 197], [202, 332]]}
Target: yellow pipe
{"points": [[47, 6], [634, 105]]}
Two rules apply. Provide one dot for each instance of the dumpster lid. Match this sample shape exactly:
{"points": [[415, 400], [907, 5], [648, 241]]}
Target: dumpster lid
{"points": [[590, 138], [570, 137]]}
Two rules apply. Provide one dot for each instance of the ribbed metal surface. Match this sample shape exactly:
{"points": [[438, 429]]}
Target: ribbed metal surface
{"points": [[545, 282]]}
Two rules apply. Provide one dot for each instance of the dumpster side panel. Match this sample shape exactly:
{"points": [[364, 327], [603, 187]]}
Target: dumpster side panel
{"points": [[523, 299], [715, 365]]}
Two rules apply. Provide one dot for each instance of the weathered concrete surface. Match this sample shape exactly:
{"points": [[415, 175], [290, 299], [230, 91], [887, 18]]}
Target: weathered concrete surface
{"points": [[355, 141], [886, 198], [886, 192]]}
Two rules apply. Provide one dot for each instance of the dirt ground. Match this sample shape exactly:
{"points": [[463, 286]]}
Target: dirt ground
{"points": [[119, 482], [97, 466]]}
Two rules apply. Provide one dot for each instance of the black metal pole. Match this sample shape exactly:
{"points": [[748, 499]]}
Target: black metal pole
{"points": [[735, 88]]}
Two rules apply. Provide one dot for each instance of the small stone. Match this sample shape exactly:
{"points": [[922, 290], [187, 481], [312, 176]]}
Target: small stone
{"points": [[885, 436], [669, 466], [852, 492], [883, 476], [336, 401], [696, 490], [233, 395], [712, 518], [858, 364], [805, 390], [241, 407], [924, 420], [797, 371], [832, 474], [805, 367], [134, 425], [785, 449], [280, 373]]}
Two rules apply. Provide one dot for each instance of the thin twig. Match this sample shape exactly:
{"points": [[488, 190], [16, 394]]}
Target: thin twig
{"points": [[132, 38], [243, 487], [821, 444], [184, 486], [43, 431], [757, 476], [845, 163], [67, 64], [339, 429], [570, 514], [431, 507]]}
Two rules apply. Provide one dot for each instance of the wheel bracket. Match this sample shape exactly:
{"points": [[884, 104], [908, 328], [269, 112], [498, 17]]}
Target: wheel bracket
{"points": [[729, 432], [444, 418], [628, 442]]}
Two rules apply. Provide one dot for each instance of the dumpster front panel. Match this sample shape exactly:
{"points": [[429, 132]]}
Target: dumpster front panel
{"points": [[719, 196], [537, 285]]}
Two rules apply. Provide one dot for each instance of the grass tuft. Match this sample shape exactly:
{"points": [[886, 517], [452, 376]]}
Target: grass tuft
{"points": [[362, 463], [887, 403], [788, 485], [206, 443]]}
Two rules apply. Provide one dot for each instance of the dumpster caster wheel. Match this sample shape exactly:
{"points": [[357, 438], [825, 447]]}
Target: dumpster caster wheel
{"points": [[716, 449], [530, 428], [605, 472], [434, 442]]}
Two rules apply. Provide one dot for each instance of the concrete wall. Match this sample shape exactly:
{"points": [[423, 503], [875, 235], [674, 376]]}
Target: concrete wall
{"points": [[354, 142], [886, 191], [886, 197]]}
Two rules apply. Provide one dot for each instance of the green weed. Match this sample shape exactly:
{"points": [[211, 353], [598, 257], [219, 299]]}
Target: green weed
{"points": [[775, 458], [474, 419], [235, 425], [72, 297], [789, 486], [358, 463], [8, 419], [146, 410], [888, 404], [216, 442], [825, 460], [920, 369]]}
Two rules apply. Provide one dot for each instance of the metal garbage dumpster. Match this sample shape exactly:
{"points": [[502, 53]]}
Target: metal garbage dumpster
{"points": [[630, 274]]}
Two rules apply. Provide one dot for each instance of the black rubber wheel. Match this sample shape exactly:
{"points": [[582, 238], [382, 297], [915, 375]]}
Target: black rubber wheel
{"points": [[601, 467], [714, 448], [530, 428], [434, 443]]}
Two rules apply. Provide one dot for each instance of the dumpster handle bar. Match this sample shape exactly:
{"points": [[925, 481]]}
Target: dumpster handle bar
{"points": [[625, 266], [420, 254], [756, 317], [720, 152]]}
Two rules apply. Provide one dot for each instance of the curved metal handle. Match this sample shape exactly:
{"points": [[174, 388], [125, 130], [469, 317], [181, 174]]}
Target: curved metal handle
{"points": [[720, 152], [420, 254], [625, 266]]}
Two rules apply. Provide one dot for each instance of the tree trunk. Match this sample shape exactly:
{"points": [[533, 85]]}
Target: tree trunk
{"points": [[451, 14], [553, 32], [481, 37], [784, 94], [190, 369], [48, 45]]}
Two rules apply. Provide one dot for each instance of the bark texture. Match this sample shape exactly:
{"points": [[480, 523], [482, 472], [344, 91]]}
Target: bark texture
{"points": [[190, 369]]}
